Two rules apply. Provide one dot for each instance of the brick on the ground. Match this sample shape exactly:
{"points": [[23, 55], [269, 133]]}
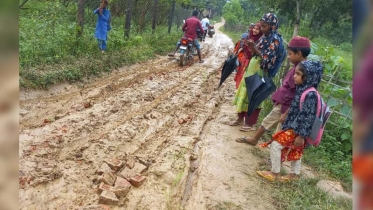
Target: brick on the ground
{"points": [[108, 198], [137, 180], [121, 187], [104, 168], [130, 163], [115, 164], [95, 207], [127, 173], [103, 187], [108, 178]]}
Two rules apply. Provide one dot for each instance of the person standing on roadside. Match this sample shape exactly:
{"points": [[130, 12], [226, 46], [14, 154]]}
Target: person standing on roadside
{"points": [[103, 24]]}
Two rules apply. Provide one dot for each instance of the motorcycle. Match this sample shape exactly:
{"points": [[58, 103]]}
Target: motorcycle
{"points": [[211, 31], [186, 50]]}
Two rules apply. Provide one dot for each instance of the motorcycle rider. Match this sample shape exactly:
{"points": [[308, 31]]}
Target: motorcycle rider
{"points": [[205, 24], [190, 28], [191, 25]]}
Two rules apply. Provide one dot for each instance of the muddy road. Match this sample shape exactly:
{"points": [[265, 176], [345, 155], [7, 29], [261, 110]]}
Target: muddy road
{"points": [[165, 123]]}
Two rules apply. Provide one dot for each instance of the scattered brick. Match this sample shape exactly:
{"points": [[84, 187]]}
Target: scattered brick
{"points": [[104, 168], [108, 198], [120, 182], [137, 169], [121, 187], [103, 187], [126, 173], [115, 164], [108, 178], [137, 180], [130, 163]]}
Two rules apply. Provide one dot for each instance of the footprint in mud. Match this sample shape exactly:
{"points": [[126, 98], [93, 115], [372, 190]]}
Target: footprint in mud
{"points": [[193, 156]]}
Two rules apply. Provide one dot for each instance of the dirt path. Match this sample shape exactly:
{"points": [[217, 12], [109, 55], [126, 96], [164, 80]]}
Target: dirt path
{"points": [[170, 121]]}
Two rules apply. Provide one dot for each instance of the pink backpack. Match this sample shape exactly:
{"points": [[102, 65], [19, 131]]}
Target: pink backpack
{"points": [[322, 115]]}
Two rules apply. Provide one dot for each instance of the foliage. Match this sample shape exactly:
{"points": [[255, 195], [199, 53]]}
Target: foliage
{"points": [[47, 59], [319, 19], [304, 194], [50, 52], [232, 11]]}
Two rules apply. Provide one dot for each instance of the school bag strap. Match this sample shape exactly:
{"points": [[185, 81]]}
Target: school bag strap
{"points": [[303, 97]]}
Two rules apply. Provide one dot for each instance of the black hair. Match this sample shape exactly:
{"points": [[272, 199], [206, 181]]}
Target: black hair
{"points": [[195, 13], [207, 16], [303, 69], [304, 50]]}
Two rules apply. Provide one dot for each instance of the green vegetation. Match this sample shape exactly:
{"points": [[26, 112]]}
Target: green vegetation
{"points": [[57, 44], [302, 194], [50, 52]]}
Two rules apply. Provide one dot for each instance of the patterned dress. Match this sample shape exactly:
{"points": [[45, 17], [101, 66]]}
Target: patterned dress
{"points": [[267, 45], [299, 122]]}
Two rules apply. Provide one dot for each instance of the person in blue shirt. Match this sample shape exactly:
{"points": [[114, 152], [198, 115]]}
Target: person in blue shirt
{"points": [[103, 24]]}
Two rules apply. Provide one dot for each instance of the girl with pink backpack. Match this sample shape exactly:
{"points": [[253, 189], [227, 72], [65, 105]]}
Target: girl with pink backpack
{"points": [[289, 143]]}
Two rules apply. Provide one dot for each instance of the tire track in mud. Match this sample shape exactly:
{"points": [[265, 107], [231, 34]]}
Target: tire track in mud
{"points": [[93, 138], [126, 77]]}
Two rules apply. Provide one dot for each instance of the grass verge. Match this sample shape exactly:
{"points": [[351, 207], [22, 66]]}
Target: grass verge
{"points": [[302, 194], [72, 69]]}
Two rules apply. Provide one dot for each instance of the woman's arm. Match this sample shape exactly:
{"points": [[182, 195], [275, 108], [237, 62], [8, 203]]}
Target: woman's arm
{"points": [[269, 55]]}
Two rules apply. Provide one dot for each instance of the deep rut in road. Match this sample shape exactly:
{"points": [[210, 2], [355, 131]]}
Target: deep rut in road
{"points": [[167, 122]]}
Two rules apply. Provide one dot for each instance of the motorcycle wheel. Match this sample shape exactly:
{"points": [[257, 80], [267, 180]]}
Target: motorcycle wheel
{"points": [[184, 58]]}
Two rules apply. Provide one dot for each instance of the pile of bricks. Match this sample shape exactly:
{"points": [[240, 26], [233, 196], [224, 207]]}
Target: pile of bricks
{"points": [[116, 183]]}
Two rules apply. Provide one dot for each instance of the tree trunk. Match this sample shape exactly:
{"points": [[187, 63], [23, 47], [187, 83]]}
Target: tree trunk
{"points": [[80, 17], [171, 16], [23, 3], [315, 14], [155, 9], [297, 22], [127, 23], [142, 19]]}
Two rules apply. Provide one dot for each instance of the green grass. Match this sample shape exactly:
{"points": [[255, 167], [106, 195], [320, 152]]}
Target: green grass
{"points": [[50, 52], [44, 71], [302, 194], [336, 165]]}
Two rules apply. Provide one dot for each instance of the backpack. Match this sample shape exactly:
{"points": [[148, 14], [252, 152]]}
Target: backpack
{"points": [[323, 113], [280, 56]]}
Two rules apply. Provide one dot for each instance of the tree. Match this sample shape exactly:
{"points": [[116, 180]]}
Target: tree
{"points": [[233, 12], [318, 12], [80, 18]]}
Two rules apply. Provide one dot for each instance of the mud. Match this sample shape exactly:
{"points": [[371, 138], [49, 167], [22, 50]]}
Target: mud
{"points": [[171, 121]]}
